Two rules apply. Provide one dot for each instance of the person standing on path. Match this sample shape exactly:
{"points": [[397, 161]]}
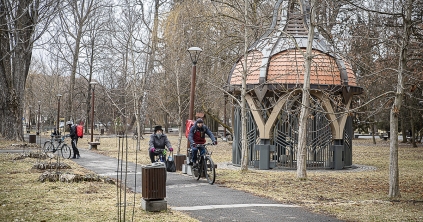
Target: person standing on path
{"points": [[74, 138]]}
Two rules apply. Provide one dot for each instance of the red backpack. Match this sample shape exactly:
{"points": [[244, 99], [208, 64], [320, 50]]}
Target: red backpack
{"points": [[189, 123], [80, 131]]}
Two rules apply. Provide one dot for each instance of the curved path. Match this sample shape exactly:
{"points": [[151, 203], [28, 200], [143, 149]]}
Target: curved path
{"points": [[198, 199], [203, 201]]}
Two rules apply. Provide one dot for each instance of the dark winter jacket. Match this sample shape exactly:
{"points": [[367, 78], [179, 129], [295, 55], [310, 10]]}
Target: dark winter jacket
{"points": [[197, 135], [72, 132], [159, 143]]}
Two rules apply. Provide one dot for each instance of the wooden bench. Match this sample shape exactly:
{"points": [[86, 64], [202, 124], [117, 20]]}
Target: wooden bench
{"points": [[93, 145]]}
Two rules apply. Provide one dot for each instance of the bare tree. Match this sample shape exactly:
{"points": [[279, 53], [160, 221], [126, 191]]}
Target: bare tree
{"points": [[401, 21], [18, 21], [74, 19]]}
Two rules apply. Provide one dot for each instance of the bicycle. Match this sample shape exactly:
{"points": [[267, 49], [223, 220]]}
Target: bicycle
{"points": [[161, 157], [52, 146], [205, 167]]}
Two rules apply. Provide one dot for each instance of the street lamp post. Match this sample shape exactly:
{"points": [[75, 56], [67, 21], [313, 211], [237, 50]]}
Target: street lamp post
{"points": [[58, 113], [194, 54], [92, 111], [38, 119], [29, 120]]}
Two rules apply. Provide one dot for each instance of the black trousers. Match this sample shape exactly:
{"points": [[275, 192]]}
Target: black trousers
{"points": [[153, 155], [74, 148]]}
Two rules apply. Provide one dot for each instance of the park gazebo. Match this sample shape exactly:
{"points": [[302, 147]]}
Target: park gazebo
{"points": [[275, 76]]}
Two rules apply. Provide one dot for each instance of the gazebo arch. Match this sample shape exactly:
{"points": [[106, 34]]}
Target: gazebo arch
{"points": [[275, 76]]}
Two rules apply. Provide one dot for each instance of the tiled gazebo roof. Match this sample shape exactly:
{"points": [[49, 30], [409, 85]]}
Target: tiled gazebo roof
{"points": [[287, 67], [277, 57]]}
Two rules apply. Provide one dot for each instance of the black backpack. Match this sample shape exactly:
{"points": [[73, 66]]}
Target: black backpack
{"points": [[72, 131]]}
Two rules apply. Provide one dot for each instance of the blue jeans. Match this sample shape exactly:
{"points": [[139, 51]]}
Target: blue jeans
{"points": [[194, 151]]}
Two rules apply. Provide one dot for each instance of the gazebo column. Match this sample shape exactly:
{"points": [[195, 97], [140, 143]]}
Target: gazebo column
{"points": [[265, 128], [337, 126]]}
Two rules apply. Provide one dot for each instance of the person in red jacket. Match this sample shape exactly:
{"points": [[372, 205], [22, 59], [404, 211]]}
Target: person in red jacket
{"points": [[197, 135]]}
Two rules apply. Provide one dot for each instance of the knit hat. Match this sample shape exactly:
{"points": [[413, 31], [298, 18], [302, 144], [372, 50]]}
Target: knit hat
{"points": [[199, 120]]}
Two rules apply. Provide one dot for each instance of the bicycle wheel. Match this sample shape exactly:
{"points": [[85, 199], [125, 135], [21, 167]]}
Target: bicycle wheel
{"points": [[65, 150], [200, 168], [210, 170], [48, 146]]}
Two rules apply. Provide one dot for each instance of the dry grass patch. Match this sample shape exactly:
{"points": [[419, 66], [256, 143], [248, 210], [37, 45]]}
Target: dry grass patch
{"points": [[24, 198], [348, 195], [5, 143]]}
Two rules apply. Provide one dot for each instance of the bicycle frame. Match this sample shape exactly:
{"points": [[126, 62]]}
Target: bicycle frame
{"points": [[59, 140], [52, 146], [205, 167], [161, 157]]}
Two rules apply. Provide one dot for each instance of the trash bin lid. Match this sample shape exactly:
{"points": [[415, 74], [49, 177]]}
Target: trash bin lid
{"points": [[155, 165]]}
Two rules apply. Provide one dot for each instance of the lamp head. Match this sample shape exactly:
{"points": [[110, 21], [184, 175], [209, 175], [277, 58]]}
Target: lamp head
{"points": [[194, 53]]}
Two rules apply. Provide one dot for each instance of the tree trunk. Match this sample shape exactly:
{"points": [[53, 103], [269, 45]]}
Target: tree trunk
{"points": [[404, 135], [69, 111], [244, 145], [394, 190], [17, 24], [373, 133], [413, 129], [302, 131]]}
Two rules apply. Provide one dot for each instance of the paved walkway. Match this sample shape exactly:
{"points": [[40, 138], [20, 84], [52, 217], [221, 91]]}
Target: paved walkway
{"points": [[203, 201], [199, 199]]}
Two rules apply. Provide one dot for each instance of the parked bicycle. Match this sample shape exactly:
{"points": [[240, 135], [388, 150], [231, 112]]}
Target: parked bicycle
{"points": [[205, 167], [57, 143]]}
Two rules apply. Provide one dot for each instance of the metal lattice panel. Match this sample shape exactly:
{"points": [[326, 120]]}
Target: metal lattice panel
{"points": [[285, 136], [251, 138], [319, 135], [348, 133]]}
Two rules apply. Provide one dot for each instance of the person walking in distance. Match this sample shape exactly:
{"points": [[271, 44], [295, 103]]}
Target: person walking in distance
{"points": [[74, 138]]}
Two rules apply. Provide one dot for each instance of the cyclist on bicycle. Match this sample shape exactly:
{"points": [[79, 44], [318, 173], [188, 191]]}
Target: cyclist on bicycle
{"points": [[158, 141], [197, 136]]}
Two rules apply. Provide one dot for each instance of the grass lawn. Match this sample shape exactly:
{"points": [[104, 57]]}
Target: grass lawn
{"points": [[348, 195]]}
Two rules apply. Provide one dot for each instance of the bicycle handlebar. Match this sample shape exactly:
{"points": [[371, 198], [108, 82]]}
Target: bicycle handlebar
{"points": [[205, 144]]}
